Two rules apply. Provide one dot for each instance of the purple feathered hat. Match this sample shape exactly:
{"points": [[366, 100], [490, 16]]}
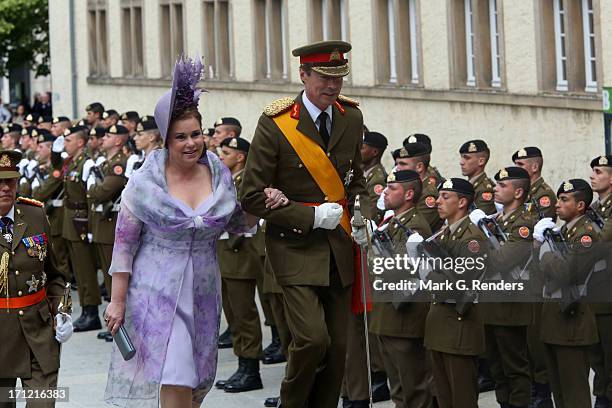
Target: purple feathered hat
{"points": [[184, 93]]}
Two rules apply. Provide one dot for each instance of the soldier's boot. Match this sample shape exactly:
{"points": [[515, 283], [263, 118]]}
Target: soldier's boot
{"points": [[541, 397], [249, 380], [273, 354], [90, 321], [485, 381], [241, 367], [380, 389], [271, 402], [225, 339], [602, 402]]}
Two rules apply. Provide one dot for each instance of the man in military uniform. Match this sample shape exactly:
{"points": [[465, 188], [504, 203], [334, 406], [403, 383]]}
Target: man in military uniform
{"points": [[240, 267], [224, 128], [31, 119], [94, 115], [474, 158], [414, 156], [59, 125], [432, 172], [130, 120], [10, 137], [454, 330], [601, 285], [530, 158], [31, 287], [75, 228], [45, 122], [309, 148], [28, 162], [399, 329], [110, 117], [372, 149], [569, 328]]}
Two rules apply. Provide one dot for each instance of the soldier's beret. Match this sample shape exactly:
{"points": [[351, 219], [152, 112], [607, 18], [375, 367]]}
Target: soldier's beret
{"points": [[75, 129], [13, 127], [601, 161], [98, 132], [108, 113], [418, 138], [416, 149], [32, 117], [208, 131], [458, 185], [237, 143], [95, 107], [403, 176], [375, 139], [146, 123], [59, 119], [474, 146], [325, 57], [131, 116], [399, 153], [573, 185], [526, 153], [117, 130], [45, 119], [27, 131], [43, 135], [228, 121], [512, 173], [83, 123], [9, 159]]}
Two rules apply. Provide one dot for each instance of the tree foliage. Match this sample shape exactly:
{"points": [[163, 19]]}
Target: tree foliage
{"points": [[24, 35]]}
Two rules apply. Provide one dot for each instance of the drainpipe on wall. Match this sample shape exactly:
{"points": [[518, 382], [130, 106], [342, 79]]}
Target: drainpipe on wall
{"points": [[73, 64]]}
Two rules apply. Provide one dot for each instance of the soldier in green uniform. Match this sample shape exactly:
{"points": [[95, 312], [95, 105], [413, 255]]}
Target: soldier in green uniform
{"points": [[454, 329], [110, 117], [530, 158], [414, 156], [399, 330], [601, 353], [75, 228], [433, 174], [30, 120], [309, 148], [372, 149], [104, 186], [474, 158], [94, 115], [240, 266], [28, 161], [10, 136], [506, 323], [31, 287], [45, 122], [130, 120], [59, 125], [224, 128]]}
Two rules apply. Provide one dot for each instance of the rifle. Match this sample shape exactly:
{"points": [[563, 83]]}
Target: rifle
{"points": [[595, 218], [97, 172]]}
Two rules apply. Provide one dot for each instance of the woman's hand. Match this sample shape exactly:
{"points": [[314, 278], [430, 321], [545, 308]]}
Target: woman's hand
{"points": [[275, 198], [114, 315]]}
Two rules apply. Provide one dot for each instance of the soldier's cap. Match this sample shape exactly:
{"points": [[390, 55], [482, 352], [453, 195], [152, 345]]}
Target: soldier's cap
{"points": [[146, 123], [75, 129], [601, 161], [573, 185], [45, 119], [9, 159], [403, 176], [27, 131], [13, 127], [458, 185], [131, 115], [208, 131], [399, 153], [108, 113], [43, 135], [512, 173], [418, 138], [98, 132], [117, 130], [415, 150], [227, 121], [526, 153], [375, 139], [95, 107], [474, 146], [237, 143], [59, 119], [82, 123], [325, 57], [31, 117]]}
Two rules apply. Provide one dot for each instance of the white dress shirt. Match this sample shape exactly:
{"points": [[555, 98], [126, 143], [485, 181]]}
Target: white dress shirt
{"points": [[315, 112]]}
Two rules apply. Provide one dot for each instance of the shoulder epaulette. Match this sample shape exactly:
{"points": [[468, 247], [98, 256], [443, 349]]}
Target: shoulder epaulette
{"points": [[345, 100], [279, 106], [30, 201]]}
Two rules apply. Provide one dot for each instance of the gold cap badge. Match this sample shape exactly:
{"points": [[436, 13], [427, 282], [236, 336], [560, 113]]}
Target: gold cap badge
{"points": [[113, 129], [567, 186], [522, 153], [34, 133], [391, 178], [448, 184], [66, 132], [503, 173], [233, 143], [603, 161], [24, 132], [472, 147], [139, 128], [105, 115], [5, 161], [412, 139]]}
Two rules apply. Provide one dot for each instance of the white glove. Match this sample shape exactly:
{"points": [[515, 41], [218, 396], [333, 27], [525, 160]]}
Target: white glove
{"points": [[90, 237], [380, 203], [58, 145], [477, 215], [412, 244], [541, 227], [89, 164], [359, 233], [63, 328], [91, 181], [327, 216]]}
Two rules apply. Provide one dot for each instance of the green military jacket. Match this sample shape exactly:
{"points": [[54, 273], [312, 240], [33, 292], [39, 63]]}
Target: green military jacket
{"points": [[103, 194], [426, 206], [376, 181], [576, 327], [544, 197], [239, 256], [433, 175], [484, 189], [512, 256], [600, 286], [75, 200], [28, 332], [299, 254], [409, 321], [49, 192], [446, 330]]}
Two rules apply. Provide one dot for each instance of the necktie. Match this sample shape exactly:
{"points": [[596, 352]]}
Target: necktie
{"points": [[323, 127]]}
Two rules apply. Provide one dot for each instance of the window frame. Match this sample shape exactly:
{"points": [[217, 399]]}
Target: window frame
{"points": [[223, 67], [265, 56], [136, 67], [590, 53], [169, 52], [98, 58]]}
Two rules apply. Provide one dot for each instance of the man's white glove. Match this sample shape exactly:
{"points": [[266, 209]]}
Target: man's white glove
{"points": [[89, 164], [327, 216], [91, 181], [359, 233], [412, 244], [477, 215], [63, 328], [380, 203], [542, 225], [58, 145]]}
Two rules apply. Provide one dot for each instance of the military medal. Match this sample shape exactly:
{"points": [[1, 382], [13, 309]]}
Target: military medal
{"points": [[348, 177], [8, 237], [33, 284], [36, 246]]}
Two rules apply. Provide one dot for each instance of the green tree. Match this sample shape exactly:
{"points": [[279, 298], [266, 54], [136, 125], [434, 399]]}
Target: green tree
{"points": [[24, 35]]}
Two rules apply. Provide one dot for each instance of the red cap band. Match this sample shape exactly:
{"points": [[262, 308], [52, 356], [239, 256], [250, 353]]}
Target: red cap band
{"points": [[323, 57]]}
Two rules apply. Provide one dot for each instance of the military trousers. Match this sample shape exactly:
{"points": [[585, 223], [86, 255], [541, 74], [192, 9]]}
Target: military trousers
{"points": [[405, 362], [277, 308], [317, 318], [86, 274], [105, 255], [264, 299], [245, 325], [455, 380], [39, 381], [601, 357], [568, 373], [536, 349], [507, 357]]}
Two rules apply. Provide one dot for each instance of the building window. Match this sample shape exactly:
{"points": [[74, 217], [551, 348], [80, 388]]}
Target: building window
{"points": [[398, 42], [329, 20], [98, 39], [590, 61], [495, 44], [271, 39], [132, 26], [217, 39], [560, 45], [172, 34]]}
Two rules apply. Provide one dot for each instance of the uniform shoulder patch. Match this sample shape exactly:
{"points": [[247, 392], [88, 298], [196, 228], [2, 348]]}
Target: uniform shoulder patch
{"points": [[524, 232], [56, 173], [544, 201], [586, 241], [118, 170], [487, 196], [430, 201], [378, 189], [30, 201], [473, 246], [345, 100], [279, 106]]}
